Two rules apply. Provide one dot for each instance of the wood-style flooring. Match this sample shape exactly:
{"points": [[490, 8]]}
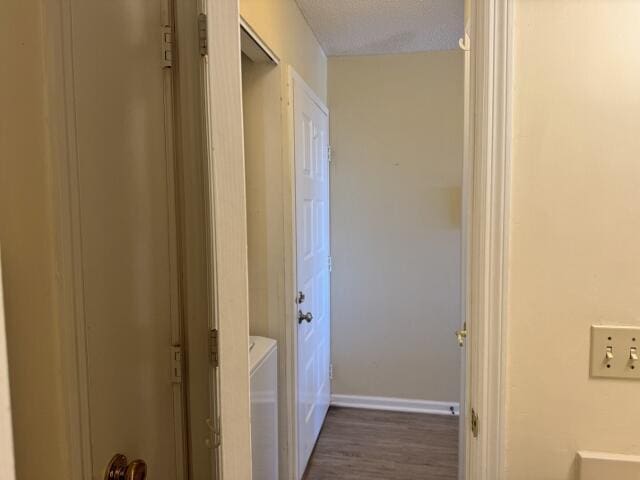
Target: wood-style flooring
{"points": [[374, 445]]}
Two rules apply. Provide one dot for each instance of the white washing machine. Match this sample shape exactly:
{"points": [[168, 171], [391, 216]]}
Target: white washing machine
{"points": [[264, 408]]}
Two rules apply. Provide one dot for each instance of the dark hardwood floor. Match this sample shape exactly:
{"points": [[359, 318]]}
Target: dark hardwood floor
{"points": [[374, 445]]}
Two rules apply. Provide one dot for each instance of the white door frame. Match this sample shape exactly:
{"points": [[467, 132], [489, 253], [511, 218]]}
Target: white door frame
{"points": [[490, 144], [227, 232], [60, 90]]}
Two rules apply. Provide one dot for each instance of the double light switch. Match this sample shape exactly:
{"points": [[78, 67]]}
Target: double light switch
{"points": [[615, 351]]}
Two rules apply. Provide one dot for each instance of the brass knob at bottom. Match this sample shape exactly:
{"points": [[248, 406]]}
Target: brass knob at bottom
{"points": [[120, 469]]}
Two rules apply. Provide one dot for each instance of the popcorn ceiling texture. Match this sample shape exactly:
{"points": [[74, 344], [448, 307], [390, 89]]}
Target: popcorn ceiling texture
{"points": [[369, 27]]}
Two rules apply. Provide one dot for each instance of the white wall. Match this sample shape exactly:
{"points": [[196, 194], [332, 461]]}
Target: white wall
{"points": [[575, 230], [396, 135]]}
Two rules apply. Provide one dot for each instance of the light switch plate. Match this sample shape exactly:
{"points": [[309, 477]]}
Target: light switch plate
{"points": [[622, 343], [610, 466]]}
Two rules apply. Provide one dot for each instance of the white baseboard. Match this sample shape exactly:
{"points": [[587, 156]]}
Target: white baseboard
{"points": [[395, 404]]}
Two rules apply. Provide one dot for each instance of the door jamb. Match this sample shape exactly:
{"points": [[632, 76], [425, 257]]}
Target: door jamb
{"points": [[290, 280], [227, 235], [491, 64], [64, 157], [201, 387]]}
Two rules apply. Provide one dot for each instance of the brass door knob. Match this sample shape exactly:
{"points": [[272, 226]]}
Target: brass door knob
{"points": [[120, 469], [137, 470]]}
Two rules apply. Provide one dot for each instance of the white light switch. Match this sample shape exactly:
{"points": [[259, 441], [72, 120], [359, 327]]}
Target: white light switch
{"points": [[614, 352]]}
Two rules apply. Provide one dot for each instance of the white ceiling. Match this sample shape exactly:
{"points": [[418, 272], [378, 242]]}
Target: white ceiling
{"points": [[366, 27]]}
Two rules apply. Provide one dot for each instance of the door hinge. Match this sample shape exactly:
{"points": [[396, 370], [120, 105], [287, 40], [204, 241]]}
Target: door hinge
{"points": [[167, 46], [329, 151], [214, 442], [331, 371], [330, 263], [176, 364], [203, 32], [474, 423], [214, 357]]}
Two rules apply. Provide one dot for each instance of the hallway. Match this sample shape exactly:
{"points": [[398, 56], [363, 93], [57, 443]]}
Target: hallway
{"points": [[378, 445]]}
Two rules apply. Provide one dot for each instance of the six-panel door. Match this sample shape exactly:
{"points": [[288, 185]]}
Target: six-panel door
{"points": [[311, 130]]}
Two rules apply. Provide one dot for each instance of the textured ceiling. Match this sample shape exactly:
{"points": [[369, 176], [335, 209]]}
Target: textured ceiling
{"points": [[365, 27]]}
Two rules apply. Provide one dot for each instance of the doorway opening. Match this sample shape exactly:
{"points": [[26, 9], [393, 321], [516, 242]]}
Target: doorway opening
{"points": [[397, 134], [355, 214]]}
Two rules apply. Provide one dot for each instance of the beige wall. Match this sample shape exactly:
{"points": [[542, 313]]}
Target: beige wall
{"points": [[281, 25], [396, 135], [575, 230], [261, 84], [27, 240]]}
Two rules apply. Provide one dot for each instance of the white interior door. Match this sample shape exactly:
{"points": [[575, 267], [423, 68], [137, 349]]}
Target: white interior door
{"points": [[311, 132], [126, 234]]}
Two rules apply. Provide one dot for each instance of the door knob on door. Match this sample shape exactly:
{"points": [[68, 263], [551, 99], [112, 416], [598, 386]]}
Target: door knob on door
{"points": [[304, 316], [120, 469]]}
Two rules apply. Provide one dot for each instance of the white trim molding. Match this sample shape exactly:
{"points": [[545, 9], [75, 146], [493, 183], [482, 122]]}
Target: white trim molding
{"points": [[393, 404], [491, 61], [69, 293], [227, 236]]}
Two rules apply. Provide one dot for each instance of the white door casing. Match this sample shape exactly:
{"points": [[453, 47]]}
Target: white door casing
{"points": [[311, 132], [226, 248], [467, 179], [490, 135]]}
